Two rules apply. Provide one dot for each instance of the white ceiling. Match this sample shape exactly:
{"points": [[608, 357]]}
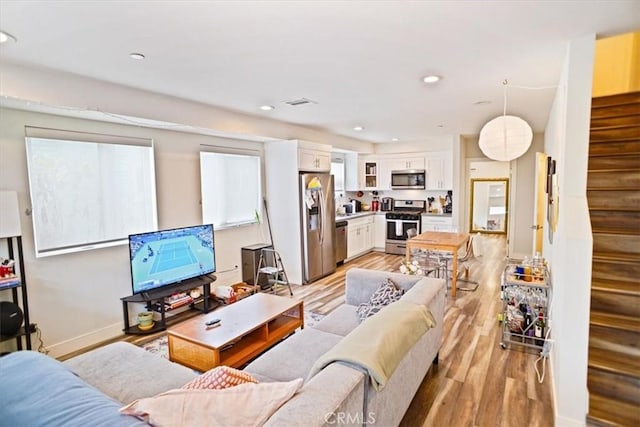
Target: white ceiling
{"points": [[361, 61]]}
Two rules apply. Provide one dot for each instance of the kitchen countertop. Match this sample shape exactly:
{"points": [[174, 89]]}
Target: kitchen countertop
{"points": [[436, 214], [354, 216]]}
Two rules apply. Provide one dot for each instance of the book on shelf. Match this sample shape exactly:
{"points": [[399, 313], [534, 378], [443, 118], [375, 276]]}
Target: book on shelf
{"points": [[173, 304], [9, 282]]}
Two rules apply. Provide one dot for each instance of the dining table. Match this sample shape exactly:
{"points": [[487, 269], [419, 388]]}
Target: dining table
{"points": [[440, 241]]}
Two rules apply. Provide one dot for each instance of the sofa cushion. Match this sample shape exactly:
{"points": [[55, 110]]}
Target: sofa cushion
{"points": [[293, 357], [220, 377], [123, 371], [340, 321], [387, 293], [37, 390]]}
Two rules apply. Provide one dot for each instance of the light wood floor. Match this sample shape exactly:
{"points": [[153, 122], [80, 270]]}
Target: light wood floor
{"points": [[476, 383]]}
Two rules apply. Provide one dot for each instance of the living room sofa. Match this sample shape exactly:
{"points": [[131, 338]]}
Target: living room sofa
{"points": [[89, 389]]}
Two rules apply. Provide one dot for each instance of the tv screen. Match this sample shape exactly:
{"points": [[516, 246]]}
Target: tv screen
{"points": [[165, 257]]}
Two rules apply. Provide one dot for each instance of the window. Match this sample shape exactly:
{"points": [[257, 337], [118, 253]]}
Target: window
{"points": [[337, 170], [88, 190], [231, 189]]}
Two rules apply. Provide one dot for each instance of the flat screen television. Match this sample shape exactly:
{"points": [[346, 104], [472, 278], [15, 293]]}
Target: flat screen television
{"points": [[166, 257]]}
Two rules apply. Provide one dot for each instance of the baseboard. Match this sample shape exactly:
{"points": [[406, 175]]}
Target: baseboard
{"points": [[569, 422], [86, 340]]}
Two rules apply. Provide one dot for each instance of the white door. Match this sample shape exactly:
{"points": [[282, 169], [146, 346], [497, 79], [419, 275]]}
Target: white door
{"points": [[540, 202]]}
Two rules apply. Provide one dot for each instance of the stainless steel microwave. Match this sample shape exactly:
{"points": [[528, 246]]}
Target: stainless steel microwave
{"points": [[413, 179]]}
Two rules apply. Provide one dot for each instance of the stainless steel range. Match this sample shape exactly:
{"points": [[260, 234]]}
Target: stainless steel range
{"points": [[406, 214]]}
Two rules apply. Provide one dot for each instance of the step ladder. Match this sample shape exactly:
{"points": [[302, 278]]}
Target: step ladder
{"points": [[270, 264]]}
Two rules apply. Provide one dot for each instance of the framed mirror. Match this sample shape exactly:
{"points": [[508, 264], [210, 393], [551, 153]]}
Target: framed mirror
{"points": [[489, 205]]}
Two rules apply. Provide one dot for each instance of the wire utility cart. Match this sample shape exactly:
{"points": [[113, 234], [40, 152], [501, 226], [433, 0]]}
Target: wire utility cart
{"points": [[526, 298]]}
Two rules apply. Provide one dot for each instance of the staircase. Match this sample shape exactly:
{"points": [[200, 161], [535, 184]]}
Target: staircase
{"points": [[613, 193]]}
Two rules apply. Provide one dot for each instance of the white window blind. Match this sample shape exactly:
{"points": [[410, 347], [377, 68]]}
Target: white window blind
{"points": [[231, 188], [89, 191]]}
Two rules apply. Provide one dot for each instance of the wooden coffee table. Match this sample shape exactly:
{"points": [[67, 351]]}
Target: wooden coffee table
{"points": [[247, 328]]}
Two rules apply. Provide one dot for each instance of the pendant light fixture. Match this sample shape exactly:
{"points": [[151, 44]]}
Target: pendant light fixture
{"points": [[505, 138]]}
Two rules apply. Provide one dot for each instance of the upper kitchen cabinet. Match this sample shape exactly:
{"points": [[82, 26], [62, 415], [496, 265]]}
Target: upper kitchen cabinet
{"points": [[352, 176], [406, 163], [439, 170], [369, 171], [314, 157]]}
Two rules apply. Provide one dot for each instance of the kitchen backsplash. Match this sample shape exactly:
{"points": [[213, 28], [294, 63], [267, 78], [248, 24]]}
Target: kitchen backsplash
{"points": [[397, 194]]}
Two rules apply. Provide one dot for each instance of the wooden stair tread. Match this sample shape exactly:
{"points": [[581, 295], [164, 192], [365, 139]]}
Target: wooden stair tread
{"points": [[616, 286], [609, 411], [616, 99], [615, 321], [612, 188], [617, 256], [623, 231], [612, 361], [612, 209]]}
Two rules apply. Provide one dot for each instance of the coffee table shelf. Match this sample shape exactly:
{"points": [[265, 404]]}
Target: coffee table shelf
{"points": [[247, 328]]}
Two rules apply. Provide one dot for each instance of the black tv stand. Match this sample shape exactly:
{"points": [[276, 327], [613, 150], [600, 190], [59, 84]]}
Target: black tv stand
{"points": [[154, 301]]}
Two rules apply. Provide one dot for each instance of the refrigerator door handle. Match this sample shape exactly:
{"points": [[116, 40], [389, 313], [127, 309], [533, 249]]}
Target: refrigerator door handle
{"points": [[321, 216]]}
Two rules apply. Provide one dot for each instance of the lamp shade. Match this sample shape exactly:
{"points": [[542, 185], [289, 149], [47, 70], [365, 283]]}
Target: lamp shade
{"points": [[505, 138], [9, 214]]}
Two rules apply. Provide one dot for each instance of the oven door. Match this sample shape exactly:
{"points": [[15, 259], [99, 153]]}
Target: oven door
{"points": [[397, 229], [397, 235]]}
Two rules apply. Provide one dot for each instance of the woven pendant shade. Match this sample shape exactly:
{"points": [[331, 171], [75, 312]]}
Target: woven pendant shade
{"points": [[505, 138]]}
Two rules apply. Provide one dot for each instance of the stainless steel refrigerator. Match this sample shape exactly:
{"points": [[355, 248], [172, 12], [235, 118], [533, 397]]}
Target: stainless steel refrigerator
{"points": [[318, 225]]}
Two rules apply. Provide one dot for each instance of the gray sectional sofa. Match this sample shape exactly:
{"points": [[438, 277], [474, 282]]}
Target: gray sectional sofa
{"points": [[341, 393]]}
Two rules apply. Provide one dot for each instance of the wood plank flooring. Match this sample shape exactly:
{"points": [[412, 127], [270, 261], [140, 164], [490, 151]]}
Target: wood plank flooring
{"points": [[476, 383]]}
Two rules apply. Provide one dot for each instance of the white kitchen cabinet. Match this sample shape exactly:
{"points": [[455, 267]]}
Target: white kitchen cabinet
{"points": [[352, 179], [379, 231], [369, 173], [405, 163], [437, 223], [359, 236], [314, 160], [439, 170], [384, 174]]}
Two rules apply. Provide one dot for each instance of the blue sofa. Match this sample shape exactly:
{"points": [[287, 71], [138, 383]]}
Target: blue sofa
{"points": [[37, 390]]}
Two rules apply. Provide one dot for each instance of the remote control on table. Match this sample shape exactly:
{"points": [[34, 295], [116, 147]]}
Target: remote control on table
{"points": [[212, 322]]}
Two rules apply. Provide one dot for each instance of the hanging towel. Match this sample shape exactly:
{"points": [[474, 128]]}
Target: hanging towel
{"points": [[399, 231]]}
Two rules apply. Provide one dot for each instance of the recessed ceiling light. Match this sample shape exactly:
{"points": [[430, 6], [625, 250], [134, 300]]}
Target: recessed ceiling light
{"points": [[358, 128], [136, 56], [394, 139], [431, 79], [267, 107], [5, 37]]}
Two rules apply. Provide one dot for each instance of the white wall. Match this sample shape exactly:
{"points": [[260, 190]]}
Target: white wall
{"points": [[569, 256]]}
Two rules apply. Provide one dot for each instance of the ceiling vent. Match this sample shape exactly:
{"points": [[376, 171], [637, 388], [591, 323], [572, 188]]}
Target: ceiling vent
{"points": [[299, 101]]}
